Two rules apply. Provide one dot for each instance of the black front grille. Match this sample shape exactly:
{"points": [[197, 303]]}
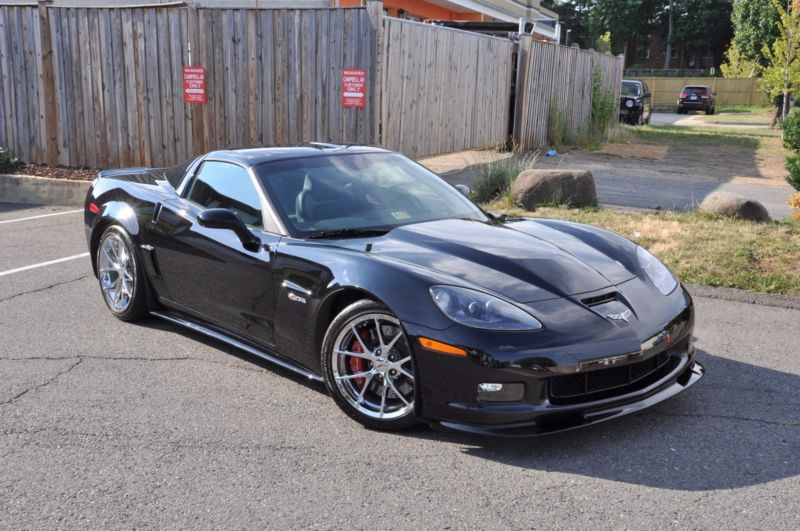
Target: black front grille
{"points": [[601, 383]]}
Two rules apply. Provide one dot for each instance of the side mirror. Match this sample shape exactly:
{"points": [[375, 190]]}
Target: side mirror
{"points": [[222, 218], [463, 188]]}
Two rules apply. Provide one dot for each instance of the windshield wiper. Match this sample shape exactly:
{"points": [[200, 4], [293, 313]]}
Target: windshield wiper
{"points": [[347, 233]]}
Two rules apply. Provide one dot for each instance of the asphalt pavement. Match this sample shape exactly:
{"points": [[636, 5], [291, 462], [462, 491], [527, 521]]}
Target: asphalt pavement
{"points": [[105, 424]]}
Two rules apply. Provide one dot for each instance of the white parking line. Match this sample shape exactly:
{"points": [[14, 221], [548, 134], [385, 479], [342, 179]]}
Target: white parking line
{"points": [[43, 264], [41, 216]]}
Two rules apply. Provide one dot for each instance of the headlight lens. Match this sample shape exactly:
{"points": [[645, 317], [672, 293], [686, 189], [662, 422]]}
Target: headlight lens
{"points": [[481, 310], [657, 272], [629, 104]]}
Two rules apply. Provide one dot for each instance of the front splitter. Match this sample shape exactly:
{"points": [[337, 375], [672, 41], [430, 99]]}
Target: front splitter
{"points": [[679, 383]]}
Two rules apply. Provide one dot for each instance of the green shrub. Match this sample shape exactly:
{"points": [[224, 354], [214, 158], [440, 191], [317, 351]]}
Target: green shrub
{"points": [[791, 130], [793, 167], [7, 157], [495, 178], [602, 107]]}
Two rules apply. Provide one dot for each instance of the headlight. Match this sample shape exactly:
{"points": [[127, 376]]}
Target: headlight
{"points": [[629, 104], [481, 310], [657, 272]]}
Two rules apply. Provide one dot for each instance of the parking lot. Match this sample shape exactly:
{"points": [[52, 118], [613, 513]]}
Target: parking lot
{"points": [[106, 424]]}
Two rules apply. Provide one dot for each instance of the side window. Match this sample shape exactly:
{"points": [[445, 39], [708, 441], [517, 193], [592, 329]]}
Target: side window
{"points": [[223, 185]]}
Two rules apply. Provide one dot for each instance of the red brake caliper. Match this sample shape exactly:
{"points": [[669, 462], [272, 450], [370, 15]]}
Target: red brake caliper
{"points": [[357, 365]]}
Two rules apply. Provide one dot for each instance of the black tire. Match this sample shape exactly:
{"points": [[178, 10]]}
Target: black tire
{"points": [[138, 307], [711, 111], [340, 324]]}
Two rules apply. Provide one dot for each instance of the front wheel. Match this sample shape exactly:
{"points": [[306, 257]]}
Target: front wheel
{"points": [[369, 368], [119, 271]]}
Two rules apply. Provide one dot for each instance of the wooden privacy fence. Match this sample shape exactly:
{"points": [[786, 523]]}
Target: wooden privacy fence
{"points": [[444, 90], [112, 81], [556, 83], [730, 91], [103, 87]]}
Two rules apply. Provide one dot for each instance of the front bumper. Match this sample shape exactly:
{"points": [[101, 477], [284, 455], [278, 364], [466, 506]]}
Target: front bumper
{"points": [[623, 371], [686, 375]]}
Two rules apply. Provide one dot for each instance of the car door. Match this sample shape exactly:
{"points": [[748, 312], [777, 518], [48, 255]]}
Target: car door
{"points": [[207, 271], [647, 102]]}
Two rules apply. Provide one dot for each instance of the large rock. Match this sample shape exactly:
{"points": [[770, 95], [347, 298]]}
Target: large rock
{"points": [[734, 206], [535, 188]]}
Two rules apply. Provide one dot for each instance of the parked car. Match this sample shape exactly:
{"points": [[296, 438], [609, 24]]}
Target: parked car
{"points": [[635, 102], [356, 267], [697, 98]]}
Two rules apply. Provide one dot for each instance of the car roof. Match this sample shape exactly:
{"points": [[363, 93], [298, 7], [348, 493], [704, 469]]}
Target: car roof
{"points": [[632, 81], [255, 156]]}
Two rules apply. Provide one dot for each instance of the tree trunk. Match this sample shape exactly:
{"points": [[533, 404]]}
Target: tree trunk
{"points": [[787, 68], [670, 28]]}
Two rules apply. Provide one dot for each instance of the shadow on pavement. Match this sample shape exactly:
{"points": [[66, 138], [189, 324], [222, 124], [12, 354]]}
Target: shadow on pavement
{"points": [[14, 207], [158, 324], [738, 426]]}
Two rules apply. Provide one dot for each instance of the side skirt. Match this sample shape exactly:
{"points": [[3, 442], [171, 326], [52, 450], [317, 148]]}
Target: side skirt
{"points": [[236, 343]]}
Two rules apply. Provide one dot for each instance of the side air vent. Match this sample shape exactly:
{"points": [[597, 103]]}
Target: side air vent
{"points": [[600, 299]]}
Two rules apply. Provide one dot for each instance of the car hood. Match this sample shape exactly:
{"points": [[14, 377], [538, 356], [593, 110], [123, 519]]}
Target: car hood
{"points": [[524, 260]]}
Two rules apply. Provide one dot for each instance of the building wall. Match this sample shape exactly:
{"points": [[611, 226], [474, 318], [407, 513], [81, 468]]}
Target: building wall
{"points": [[418, 10], [651, 52]]}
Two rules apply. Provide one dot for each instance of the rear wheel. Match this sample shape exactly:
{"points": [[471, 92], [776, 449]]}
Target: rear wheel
{"points": [[368, 366], [122, 280]]}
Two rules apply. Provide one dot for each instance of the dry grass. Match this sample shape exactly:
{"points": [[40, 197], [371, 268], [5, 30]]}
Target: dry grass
{"points": [[705, 249]]}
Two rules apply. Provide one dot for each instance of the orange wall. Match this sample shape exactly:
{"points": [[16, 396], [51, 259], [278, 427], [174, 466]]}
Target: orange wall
{"points": [[419, 9]]}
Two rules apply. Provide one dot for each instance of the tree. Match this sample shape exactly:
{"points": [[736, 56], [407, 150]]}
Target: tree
{"points": [[736, 65], [670, 33], [603, 43], [624, 19], [704, 23], [755, 25], [783, 57], [574, 16]]}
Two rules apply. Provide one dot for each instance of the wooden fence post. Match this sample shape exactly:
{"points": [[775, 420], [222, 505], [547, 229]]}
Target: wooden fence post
{"points": [[197, 114], [48, 85], [520, 87], [375, 13]]}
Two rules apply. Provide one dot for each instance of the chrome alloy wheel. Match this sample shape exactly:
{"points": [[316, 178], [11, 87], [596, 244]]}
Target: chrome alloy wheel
{"points": [[116, 269], [372, 368]]}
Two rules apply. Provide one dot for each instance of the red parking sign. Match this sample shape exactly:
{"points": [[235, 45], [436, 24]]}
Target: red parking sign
{"points": [[194, 84], [354, 87]]}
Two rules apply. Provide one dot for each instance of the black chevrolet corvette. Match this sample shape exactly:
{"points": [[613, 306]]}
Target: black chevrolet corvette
{"points": [[357, 267]]}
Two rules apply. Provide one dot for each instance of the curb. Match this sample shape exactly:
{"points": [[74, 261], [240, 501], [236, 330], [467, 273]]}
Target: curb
{"points": [[747, 297], [31, 190]]}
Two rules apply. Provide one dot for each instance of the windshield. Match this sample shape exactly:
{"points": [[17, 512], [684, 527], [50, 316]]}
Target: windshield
{"points": [[359, 192], [630, 88]]}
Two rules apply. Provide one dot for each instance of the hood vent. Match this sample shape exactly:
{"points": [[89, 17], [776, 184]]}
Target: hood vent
{"points": [[600, 299]]}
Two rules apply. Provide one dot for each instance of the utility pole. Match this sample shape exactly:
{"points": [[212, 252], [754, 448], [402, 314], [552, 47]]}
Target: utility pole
{"points": [[670, 28]]}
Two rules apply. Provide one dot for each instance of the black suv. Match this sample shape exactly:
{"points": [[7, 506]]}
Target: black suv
{"points": [[635, 102], [697, 98]]}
